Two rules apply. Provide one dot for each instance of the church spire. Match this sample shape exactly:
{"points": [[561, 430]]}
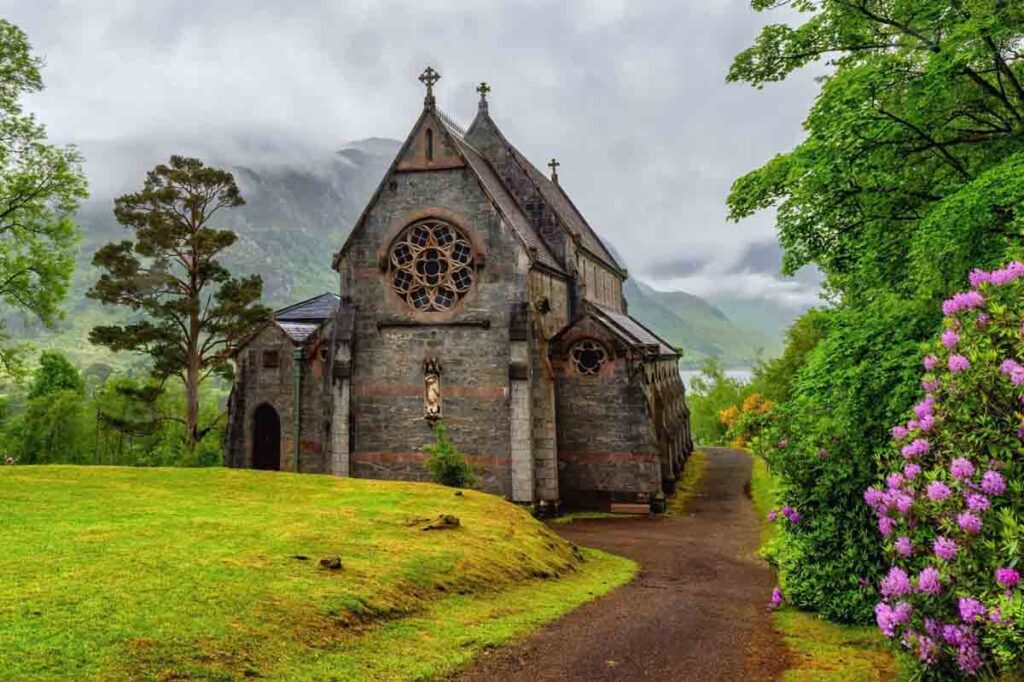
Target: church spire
{"points": [[429, 77]]}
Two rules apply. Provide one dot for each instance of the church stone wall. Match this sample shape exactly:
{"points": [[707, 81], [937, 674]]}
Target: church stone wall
{"points": [[471, 342], [607, 448], [257, 384]]}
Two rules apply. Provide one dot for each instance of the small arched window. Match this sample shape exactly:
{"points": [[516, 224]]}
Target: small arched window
{"points": [[430, 144]]}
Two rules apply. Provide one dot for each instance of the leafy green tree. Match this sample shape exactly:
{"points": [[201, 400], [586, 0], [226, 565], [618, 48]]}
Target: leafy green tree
{"points": [[713, 392], [774, 378], [445, 463], [193, 308], [41, 186], [55, 374], [923, 99]]}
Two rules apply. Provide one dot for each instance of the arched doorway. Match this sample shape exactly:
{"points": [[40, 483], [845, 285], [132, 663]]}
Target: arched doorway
{"points": [[266, 438]]}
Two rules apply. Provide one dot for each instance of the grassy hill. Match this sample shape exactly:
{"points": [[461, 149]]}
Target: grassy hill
{"points": [[117, 574]]}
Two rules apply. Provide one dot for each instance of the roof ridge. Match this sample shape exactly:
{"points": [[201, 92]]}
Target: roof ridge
{"points": [[303, 302]]}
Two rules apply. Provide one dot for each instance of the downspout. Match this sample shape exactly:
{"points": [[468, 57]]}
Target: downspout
{"points": [[297, 355]]}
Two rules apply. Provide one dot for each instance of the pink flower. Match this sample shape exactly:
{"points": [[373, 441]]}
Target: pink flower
{"points": [[886, 526], [970, 609], [965, 300], [903, 546], [958, 363], [896, 584], [924, 408], [894, 480], [928, 581], [976, 502], [919, 446], [903, 502], [1007, 577], [961, 468], [950, 338], [969, 523], [930, 361], [927, 422], [776, 601], [911, 471], [937, 491], [931, 385], [899, 432], [1014, 370], [992, 483], [772, 515], [888, 618], [977, 277], [875, 498], [945, 548]]}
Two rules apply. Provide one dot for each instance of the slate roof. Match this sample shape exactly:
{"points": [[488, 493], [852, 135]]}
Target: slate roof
{"points": [[506, 204], [318, 308], [630, 330], [558, 201]]}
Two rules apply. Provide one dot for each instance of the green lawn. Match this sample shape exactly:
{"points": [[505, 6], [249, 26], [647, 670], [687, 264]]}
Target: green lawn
{"points": [[821, 651], [114, 573]]}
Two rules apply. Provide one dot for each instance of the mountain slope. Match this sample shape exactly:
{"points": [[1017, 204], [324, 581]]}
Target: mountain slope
{"points": [[699, 327]]}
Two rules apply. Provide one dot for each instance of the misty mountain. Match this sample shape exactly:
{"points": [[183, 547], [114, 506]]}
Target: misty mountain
{"points": [[301, 203]]}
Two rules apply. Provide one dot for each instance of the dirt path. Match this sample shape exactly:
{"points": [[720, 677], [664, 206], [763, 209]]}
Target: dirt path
{"points": [[695, 612]]}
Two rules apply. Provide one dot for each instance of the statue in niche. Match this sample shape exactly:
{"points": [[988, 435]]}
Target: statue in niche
{"points": [[432, 390]]}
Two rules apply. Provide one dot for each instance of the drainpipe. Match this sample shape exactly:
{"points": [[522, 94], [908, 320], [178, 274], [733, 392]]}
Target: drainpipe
{"points": [[297, 355]]}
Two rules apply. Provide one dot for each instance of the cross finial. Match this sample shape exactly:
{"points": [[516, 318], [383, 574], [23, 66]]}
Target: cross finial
{"points": [[428, 78], [483, 89], [553, 165]]}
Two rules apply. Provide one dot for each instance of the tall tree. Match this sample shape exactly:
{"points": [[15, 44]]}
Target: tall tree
{"points": [[193, 308], [924, 98], [41, 186]]}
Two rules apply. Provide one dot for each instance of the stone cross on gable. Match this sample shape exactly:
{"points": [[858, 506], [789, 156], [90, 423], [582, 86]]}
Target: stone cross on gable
{"points": [[553, 165], [429, 77], [483, 89]]}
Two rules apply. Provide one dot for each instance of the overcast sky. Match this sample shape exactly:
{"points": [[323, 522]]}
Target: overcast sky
{"points": [[630, 96]]}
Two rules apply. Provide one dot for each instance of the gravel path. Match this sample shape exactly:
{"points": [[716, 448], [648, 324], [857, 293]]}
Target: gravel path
{"points": [[695, 612]]}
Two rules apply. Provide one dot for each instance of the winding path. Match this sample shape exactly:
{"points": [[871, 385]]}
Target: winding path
{"points": [[695, 612]]}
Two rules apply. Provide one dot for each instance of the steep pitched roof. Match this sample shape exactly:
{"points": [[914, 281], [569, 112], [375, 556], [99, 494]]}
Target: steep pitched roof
{"points": [[553, 195], [317, 308], [631, 328], [489, 182]]}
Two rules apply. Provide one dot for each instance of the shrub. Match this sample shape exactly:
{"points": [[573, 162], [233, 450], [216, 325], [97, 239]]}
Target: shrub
{"points": [[710, 398], [950, 509], [445, 463], [824, 444]]}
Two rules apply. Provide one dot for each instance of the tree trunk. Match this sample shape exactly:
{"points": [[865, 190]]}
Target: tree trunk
{"points": [[192, 382]]}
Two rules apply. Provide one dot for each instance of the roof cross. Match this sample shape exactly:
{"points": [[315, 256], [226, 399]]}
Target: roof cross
{"points": [[428, 78], [483, 89], [553, 165]]}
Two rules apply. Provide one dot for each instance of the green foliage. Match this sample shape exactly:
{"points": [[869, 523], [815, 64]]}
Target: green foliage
{"points": [[972, 422], [711, 393], [120, 420], [824, 449], [40, 189], [909, 176], [193, 309], [445, 463], [55, 374], [774, 378]]}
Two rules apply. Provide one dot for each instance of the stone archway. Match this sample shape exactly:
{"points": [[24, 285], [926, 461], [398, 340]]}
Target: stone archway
{"points": [[266, 438]]}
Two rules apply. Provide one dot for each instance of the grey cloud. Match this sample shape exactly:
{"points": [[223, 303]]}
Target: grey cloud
{"points": [[629, 95]]}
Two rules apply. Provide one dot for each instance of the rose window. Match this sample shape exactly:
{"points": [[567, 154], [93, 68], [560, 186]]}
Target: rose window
{"points": [[431, 265], [588, 356]]}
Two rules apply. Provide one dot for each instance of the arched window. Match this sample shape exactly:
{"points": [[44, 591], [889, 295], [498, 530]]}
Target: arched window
{"points": [[588, 356], [430, 144], [431, 265]]}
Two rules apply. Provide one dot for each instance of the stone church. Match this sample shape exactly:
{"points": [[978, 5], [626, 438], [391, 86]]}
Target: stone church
{"points": [[472, 291]]}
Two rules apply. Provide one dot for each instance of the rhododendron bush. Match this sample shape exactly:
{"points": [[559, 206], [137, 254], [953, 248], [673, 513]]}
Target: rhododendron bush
{"points": [[949, 510]]}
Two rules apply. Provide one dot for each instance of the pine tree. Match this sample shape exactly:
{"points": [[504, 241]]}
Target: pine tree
{"points": [[193, 308]]}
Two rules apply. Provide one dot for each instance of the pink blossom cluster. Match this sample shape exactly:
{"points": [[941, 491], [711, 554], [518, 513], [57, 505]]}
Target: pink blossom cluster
{"points": [[1014, 270], [1014, 370], [965, 300]]}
